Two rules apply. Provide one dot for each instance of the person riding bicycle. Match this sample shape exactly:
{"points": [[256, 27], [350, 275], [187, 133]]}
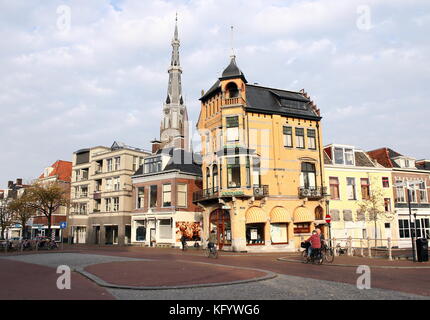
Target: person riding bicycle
{"points": [[212, 240], [321, 235], [315, 242]]}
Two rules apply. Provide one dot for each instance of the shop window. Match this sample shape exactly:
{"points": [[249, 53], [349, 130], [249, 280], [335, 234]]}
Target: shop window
{"points": [[404, 231], [233, 172], [279, 233], [140, 233], [255, 234], [302, 227], [165, 228]]}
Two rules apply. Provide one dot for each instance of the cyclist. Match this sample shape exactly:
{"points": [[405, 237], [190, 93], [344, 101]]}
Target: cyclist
{"points": [[321, 235], [212, 240], [315, 242]]}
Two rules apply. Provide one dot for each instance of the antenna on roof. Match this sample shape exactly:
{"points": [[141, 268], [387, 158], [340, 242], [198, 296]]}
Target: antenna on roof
{"points": [[232, 42]]}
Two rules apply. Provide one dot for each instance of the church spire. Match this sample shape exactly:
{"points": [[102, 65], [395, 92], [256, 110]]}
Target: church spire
{"points": [[174, 92]]}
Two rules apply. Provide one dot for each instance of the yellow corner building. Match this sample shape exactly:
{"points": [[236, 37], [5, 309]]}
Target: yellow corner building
{"points": [[262, 165]]}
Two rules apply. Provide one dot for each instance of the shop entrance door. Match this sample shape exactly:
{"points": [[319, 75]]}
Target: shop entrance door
{"points": [[220, 221]]}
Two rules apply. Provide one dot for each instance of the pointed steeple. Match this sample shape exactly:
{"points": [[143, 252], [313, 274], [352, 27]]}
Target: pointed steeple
{"points": [[232, 71], [174, 92]]}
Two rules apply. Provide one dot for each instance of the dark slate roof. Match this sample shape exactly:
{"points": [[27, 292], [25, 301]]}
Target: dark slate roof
{"points": [[216, 87], [361, 160], [423, 165], [232, 71], [235, 151], [276, 101], [181, 160]]}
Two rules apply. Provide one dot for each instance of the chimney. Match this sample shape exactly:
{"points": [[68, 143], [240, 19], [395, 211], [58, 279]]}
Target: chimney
{"points": [[9, 184], [179, 142], [156, 145], [19, 182]]}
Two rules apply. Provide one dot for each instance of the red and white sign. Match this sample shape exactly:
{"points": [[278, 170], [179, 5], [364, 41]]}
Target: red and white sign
{"points": [[328, 218]]}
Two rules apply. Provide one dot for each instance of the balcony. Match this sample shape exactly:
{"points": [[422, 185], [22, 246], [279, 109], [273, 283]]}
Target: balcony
{"points": [[205, 194], [312, 192], [213, 193], [233, 101]]}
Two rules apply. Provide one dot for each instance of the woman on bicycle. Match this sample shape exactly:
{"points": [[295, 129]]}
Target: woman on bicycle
{"points": [[212, 240], [315, 241]]}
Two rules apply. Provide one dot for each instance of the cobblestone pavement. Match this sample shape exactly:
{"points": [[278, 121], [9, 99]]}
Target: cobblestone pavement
{"points": [[294, 281], [281, 288]]}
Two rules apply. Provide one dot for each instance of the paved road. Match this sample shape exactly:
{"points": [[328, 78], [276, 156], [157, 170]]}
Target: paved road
{"points": [[33, 276]]}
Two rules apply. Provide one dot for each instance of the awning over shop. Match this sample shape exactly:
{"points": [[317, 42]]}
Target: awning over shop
{"points": [[303, 214], [255, 215], [279, 215]]}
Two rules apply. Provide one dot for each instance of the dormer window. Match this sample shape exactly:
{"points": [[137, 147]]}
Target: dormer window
{"points": [[153, 165], [344, 156]]}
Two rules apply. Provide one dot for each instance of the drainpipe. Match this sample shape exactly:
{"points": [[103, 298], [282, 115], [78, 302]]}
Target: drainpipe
{"points": [[320, 152]]}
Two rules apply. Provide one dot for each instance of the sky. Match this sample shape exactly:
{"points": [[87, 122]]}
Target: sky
{"points": [[78, 74]]}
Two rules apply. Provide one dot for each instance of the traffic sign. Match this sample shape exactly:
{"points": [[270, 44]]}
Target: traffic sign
{"points": [[328, 218], [63, 225]]}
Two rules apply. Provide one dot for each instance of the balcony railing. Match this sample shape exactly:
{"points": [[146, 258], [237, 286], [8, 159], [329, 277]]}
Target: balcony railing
{"points": [[257, 191], [312, 192], [206, 194], [234, 101]]}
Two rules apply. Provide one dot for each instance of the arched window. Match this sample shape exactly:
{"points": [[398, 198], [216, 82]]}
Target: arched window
{"points": [[233, 91], [208, 177], [215, 178], [308, 175]]}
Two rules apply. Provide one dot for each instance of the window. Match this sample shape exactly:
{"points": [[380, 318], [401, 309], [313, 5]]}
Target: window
{"points": [[215, 178], [109, 184], [400, 193], [153, 165], [233, 172], [350, 188], [288, 136], [115, 204], [165, 228], [135, 163], [116, 183], [413, 194], [387, 204], [108, 204], [167, 195], [308, 176], [255, 233], [404, 231], [140, 197], [300, 138], [109, 165], [385, 182], [182, 195], [338, 155], [256, 175], [117, 163], [208, 177], [334, 188], [422, 192], [232, 124], [365, 191], [279, 233], [311, 139], [343, 156], [349, 157], [153, 197], [232, 90]]}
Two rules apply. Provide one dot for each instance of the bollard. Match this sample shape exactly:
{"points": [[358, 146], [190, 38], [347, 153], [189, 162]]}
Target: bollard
{"points": [[361, 248], [349, 246], [390, 256], [334, 247], [368, 248]]}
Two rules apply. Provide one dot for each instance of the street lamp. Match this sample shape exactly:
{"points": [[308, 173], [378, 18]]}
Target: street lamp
{"points": [[410, 185]]}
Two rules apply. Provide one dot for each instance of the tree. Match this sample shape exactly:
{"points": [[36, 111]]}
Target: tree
{"points": [[374, 207], [47, 198], [21, 210], [5, 216]]}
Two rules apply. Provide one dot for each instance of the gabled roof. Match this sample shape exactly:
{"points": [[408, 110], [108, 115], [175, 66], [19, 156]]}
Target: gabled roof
{"points": [[62, 169], [383, 156]]}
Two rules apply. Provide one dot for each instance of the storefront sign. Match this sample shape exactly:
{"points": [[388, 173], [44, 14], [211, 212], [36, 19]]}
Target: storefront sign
{"points": [[232, 193]]}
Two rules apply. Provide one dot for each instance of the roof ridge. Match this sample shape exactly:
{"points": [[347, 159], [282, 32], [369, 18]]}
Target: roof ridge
{"points": [[265, 87]]}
